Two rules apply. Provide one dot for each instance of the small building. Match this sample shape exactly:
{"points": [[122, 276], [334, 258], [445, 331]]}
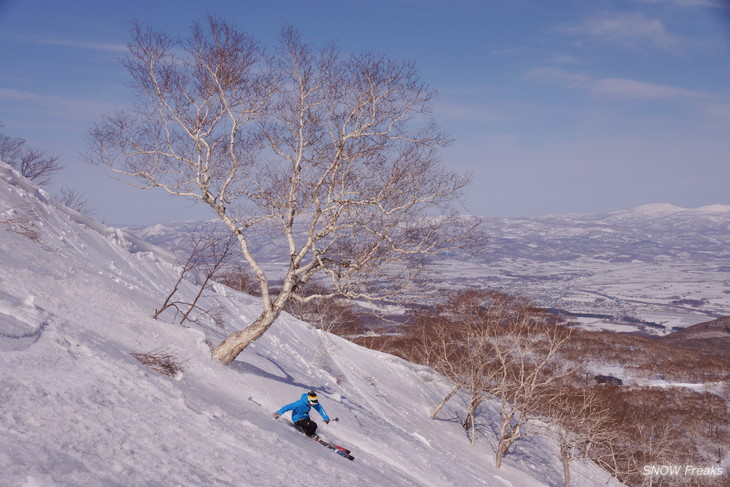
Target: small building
{"points": [[608, 380]]}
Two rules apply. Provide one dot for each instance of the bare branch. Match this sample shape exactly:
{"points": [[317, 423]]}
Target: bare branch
{"points": [[208, 256]]}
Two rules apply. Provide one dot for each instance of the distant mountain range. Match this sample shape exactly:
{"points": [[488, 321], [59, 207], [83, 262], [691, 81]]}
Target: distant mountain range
{"points": [[654, 268], [647, 233]]}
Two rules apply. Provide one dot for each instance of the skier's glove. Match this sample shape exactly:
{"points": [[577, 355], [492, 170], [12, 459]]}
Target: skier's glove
{"points": [[328, 421], [276, 416]]}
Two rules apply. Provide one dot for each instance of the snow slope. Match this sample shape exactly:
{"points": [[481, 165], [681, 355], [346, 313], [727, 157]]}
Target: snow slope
{"points": [[77, 409]]}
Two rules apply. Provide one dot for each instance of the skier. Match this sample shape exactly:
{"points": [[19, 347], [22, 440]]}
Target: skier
{"points": [[300, 412]]}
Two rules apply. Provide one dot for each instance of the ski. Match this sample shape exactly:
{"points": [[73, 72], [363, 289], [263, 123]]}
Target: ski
{"points": [[340, 450]]}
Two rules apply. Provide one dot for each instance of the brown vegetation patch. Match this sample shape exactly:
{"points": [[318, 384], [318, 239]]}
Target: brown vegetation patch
{"points": [[160, 361], [638, 426]]}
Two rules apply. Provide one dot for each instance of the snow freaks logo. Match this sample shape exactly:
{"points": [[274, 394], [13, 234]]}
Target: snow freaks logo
{"points": [[679, 470]]}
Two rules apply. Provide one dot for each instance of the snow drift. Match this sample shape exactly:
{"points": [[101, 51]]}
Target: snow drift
{"points": [[77, 409]]}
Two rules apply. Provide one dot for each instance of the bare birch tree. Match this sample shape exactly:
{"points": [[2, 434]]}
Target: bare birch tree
{"points": [[458, 342], [584, 423], [529, 370], [339, 154], [495, 345]]}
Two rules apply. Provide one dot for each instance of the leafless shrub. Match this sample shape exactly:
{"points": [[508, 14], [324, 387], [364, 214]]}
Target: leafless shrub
{"points": [[208, 256], [23, 223], [32, 163], [76, 201], [237, 277], [583, 423], [160, 361], [648, 357], [662, 427], [329, 314]]}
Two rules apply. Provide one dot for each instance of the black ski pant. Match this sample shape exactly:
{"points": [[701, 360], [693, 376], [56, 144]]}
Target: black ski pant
{"points": [[308, 426]]}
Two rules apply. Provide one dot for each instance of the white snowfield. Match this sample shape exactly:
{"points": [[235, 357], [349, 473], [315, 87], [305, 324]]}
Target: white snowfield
{"points": [[77, 409]]}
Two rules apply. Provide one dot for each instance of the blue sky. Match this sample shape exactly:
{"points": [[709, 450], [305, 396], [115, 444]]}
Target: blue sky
{"points": [[559, 106]]}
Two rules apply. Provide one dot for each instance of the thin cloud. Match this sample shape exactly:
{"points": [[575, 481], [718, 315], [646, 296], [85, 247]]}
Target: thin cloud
{"points": [[100, 46], [13, 94], [562, 77], [68, 106], [632, 29], [692, 3], [718, 111], [563, 58], [615, 87], [628, 88]]}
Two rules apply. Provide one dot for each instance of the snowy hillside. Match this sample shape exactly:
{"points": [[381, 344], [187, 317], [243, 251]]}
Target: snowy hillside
{"points": [[77, 409]]}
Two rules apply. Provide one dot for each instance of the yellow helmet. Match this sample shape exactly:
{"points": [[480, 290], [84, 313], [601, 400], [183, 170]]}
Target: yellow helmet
{"points": [[312, 397]]}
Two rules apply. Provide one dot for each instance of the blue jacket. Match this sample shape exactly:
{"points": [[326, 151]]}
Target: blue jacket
{"points": [[300, 409]]}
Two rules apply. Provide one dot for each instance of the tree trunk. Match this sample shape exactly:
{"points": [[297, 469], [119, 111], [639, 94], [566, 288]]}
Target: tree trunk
{"points": [[507, 436], [443, 403], [236, 342], [565, 457], [502, 448]]}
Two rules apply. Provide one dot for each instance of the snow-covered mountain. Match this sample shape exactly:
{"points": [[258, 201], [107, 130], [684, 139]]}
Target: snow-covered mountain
{"points": [[648, 233], [651, 269], [78, 409]]}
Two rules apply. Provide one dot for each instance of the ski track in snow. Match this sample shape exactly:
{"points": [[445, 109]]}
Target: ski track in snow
{"points": [[21, 322]]}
